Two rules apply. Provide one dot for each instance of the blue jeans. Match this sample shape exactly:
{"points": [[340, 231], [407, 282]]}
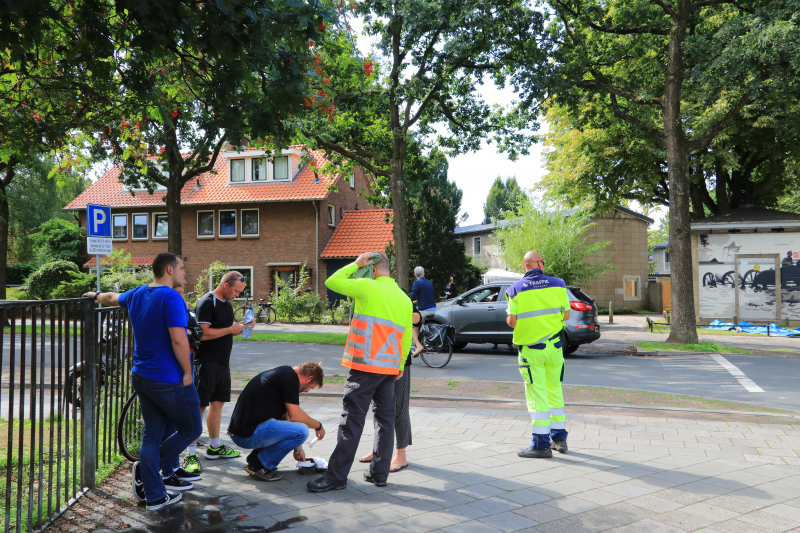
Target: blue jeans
{"points": [[171, 414], [273, 440]]}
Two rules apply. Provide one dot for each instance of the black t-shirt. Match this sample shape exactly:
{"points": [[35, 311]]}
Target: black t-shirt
{"points": [[265, 397], [218, 314]]}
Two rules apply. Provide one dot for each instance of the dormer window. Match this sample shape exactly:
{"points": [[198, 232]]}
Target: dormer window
{"points": [[256, 166]]}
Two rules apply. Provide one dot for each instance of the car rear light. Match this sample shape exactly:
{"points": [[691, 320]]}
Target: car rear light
{"points": [[580, 306]]}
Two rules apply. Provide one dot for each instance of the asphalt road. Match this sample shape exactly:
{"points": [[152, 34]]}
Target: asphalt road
{"points": [[770, 380]]}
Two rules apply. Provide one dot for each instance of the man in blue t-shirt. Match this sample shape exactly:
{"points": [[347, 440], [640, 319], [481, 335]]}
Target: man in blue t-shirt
{"points": [[162, 377]]}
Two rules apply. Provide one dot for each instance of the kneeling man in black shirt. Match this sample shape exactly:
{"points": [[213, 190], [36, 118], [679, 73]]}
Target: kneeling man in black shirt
{"points": [[268, 419]]}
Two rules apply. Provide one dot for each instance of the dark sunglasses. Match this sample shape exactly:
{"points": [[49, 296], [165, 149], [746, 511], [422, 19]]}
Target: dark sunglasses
{"points": [[243, 279]]}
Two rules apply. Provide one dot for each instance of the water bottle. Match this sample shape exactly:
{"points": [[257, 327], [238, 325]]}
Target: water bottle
{"points": [[247, 332]]}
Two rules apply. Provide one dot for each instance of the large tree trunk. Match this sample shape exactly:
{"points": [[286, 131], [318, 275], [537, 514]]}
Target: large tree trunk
{"points": [[399, 216], [5, 181], [173, 200], [683, 318]]}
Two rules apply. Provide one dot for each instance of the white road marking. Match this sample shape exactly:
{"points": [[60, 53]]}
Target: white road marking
{"points": [[746, 382]]}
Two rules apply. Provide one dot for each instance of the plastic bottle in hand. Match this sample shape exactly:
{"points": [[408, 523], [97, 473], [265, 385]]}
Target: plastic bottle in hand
{"points": [[247, 332]]}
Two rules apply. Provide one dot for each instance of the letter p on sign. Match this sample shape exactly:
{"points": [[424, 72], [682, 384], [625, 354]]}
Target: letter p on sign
{"points": [[98, 220]]}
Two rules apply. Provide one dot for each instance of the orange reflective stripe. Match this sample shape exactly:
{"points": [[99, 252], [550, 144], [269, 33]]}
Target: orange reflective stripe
{"points": [[370, 368]]}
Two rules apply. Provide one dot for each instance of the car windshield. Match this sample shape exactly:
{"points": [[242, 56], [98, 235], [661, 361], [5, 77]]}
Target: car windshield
{"points": [[489, 294]]}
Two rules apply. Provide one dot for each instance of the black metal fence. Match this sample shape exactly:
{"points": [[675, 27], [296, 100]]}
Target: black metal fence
{"points": [[65, 376]]}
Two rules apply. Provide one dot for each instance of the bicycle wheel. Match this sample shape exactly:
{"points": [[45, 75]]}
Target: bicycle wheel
{"points": [[272, 316], [130, 429], [238, 315], [437, 357]]}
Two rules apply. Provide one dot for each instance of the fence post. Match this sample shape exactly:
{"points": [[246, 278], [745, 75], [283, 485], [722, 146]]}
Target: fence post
{"points": [[89, 383], [610, 312]]}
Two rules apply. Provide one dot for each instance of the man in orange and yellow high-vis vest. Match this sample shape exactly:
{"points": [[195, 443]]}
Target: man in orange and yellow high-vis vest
{"points": [[376, 351]]}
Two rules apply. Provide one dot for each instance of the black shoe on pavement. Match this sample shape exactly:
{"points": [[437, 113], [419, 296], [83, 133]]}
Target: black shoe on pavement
{"points": [[535, 453], [136, 483], [169, 499], [369, 479], [560, 446], [321, 485], [263, 474], [187, 476], [175, 483]]}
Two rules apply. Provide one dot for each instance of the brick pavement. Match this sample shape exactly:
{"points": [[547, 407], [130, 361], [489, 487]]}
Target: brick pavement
{"points": [[625, 473]]}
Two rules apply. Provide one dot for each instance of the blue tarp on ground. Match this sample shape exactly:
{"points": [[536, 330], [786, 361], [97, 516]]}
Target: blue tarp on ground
{"points": [[747, 327]]}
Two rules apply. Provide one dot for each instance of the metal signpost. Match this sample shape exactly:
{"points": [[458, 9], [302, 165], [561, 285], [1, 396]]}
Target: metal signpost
{"points": [[98, 231]]}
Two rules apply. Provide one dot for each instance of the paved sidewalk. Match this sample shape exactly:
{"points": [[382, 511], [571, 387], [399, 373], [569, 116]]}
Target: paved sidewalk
{"points": [[623, 473]]}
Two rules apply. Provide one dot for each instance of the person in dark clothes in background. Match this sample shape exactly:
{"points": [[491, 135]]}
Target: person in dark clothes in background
{"points": [[268, 419], [452, 290]]}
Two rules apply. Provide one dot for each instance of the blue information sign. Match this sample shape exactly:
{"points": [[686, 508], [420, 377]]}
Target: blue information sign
{"points": [[98, 220]]}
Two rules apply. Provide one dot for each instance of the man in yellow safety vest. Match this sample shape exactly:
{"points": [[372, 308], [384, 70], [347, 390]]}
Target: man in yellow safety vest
{"points": [[376, 351], [538, 306]]}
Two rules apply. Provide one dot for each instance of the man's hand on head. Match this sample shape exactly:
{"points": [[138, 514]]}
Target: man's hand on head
{"points": [[364, 259]]}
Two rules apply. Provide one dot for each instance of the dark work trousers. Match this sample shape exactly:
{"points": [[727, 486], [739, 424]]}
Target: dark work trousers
{"points": [[359, 389]]}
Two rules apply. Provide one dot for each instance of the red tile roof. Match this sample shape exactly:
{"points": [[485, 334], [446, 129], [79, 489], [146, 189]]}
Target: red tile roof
{"points": [[359, 232], [214, 189], [137, 260]]}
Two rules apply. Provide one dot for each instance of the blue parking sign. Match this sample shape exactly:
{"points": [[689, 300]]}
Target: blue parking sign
{"points": [[98, 220]]}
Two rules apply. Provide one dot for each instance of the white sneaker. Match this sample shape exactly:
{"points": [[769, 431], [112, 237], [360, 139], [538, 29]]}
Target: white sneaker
{"points": [[136, 483]]}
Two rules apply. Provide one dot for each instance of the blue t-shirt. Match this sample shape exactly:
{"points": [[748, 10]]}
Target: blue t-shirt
{"points": [[152, 310], [422, 292]]}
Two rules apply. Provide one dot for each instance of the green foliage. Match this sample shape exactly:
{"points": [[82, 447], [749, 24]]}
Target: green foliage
{"points": [[559, 235], [44, 281], [125, 280], [61, 239], [503, 196], [35, 198], [295, 300], [119, 261], [340, 313], [77, 285], [432, 219], [16, 273]]}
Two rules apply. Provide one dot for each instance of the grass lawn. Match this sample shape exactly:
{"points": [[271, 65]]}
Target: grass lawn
{"points": [[29, 329], [337, 339], [709, 347]]}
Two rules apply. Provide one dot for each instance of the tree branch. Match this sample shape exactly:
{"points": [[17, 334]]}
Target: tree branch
{"points": [[432, 95], [619, 92], [630, 119], [448, 114], [351, 154], [705, 139], [616, 31], [671, 12], [210, 166]]}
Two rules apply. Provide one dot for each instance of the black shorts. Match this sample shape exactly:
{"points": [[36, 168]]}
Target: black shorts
{"points": [[213, 383]]}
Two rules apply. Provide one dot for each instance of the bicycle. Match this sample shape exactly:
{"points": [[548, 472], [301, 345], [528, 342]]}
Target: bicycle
{"points": [[437, 340], [265, 313]]}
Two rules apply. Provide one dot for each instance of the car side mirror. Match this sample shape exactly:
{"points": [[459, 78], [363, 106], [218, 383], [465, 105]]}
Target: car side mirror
{"points": [[460, 301]]}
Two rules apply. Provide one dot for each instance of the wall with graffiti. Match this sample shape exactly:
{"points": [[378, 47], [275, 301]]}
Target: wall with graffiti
{"points": [[756, 279]]}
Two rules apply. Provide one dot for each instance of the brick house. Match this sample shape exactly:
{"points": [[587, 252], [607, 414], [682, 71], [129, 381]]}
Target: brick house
{"points": [[627, 231], [358, 232], [263, 217]]}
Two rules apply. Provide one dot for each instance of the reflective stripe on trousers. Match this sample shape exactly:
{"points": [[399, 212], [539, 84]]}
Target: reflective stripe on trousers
{"points": [[541, 371], [373, 345]]}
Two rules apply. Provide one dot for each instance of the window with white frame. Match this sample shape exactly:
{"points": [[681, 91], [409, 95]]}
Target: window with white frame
{"points": [[140, 226], [476, 246], [160, 226], [281, 168], [237, 170], [259, 170], [632, 287], [331, 215], [227, 223], [205, 223], [120, 227], [353, 181], [250, 222]]}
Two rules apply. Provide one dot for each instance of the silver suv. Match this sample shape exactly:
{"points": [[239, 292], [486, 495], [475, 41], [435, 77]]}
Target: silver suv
{"points": [[479, 316]]}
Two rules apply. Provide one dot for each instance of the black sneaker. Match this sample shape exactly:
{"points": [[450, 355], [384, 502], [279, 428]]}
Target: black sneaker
{"points": [[175, 483], [169, 499], [187, 476], [136, 483], [535, 453], [560, 446], [369, 479]]}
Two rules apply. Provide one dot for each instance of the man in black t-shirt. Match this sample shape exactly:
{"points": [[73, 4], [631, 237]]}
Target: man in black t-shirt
{"points": [[268, 419], [215, 317]]}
